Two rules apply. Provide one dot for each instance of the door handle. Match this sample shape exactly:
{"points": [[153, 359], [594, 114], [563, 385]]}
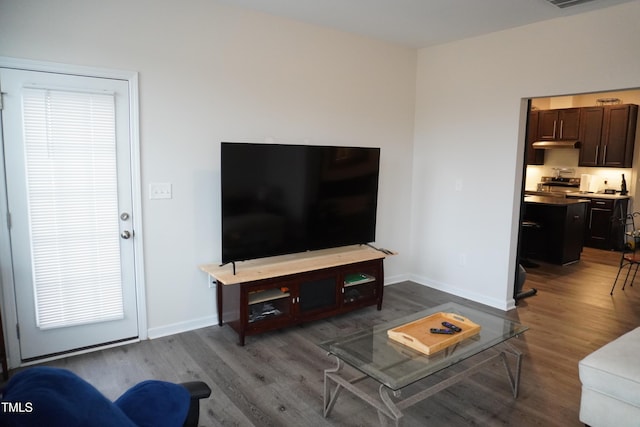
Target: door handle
{"points": [[126, 234]]}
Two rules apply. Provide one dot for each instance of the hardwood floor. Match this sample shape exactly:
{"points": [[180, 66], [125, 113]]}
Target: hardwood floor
{"points": [[277, 378]]}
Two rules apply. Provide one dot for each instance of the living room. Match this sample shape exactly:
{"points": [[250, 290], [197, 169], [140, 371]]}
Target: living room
{"points": [[211, 72]]}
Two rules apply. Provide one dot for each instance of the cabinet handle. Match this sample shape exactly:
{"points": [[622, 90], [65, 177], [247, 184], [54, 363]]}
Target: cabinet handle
{"points": [[561, 128], [554, 129], [604, 155], [597, 152]]}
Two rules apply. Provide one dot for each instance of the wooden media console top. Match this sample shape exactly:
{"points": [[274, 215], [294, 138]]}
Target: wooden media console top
{"points": [[283, 265]]}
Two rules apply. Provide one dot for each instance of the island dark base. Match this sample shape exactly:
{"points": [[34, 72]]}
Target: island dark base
{"points": [[560, 236]]}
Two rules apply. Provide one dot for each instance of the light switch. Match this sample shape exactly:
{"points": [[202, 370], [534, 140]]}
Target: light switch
{"points": [[160, 190]]}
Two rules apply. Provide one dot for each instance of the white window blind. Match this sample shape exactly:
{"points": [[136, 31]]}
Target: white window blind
{"points": [[70, 152]]}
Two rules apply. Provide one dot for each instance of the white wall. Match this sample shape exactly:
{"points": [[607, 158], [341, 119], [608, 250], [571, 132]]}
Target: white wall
{"points": [[470, 133], [212, 73]]}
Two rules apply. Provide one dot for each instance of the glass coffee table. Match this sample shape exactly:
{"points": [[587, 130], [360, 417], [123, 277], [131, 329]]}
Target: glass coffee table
{"points": [[395, 366]]}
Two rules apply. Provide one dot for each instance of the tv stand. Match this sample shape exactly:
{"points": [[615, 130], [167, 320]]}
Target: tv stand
{"points": [[276, 292]]}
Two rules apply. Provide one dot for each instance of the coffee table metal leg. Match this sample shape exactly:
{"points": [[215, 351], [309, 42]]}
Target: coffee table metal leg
{"points": [[395, 413], [514, 377], [329, 399]]}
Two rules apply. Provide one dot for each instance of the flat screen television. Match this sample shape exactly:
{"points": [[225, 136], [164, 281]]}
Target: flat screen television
{"points": [[280, 199]]}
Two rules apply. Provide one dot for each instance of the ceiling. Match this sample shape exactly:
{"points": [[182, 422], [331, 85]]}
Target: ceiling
{"points": [[421, 23]]}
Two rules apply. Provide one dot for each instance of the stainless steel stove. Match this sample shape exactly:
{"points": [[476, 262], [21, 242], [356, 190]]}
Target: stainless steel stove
{"points": [[559, 185]]}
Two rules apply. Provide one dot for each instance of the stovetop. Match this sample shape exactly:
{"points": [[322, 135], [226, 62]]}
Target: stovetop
{"points": [[560, 181]]}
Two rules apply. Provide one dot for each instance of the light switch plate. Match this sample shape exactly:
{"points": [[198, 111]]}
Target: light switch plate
{"points": [[160, 190]]}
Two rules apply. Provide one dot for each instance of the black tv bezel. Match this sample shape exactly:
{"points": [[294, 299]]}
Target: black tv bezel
{"points": [[373, 223]]}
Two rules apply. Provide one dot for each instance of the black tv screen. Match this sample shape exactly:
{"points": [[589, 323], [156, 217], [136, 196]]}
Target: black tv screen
{"points": [[281, 199]]}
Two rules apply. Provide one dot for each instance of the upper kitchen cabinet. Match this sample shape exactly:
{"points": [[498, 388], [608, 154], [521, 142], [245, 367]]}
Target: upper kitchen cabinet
{"points": [[534, 157], [591, 135], [562, 124], [608, 135]]}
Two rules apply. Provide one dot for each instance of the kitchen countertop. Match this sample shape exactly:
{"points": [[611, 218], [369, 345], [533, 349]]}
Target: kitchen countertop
{"points": [[616, 196], [556, 201]]}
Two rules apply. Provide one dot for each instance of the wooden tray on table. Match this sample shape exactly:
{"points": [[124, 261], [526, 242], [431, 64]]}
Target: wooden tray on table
{"points": [[417, 334]]}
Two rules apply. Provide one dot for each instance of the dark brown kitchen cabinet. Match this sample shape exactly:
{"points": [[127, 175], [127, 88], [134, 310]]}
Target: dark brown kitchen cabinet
{"points": [[561, 124], [603, 229], [607, 135], [591, 135], [534, 157], [619, 135]]}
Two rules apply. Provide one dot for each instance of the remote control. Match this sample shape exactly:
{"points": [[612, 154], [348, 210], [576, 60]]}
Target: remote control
{"points": [[451, 326], [442, 331]]}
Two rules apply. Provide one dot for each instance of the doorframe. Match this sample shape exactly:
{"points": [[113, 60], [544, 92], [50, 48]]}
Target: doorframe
{"points": [[7, 294]]}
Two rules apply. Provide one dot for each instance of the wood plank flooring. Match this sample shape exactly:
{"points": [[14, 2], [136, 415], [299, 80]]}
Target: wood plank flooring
{"points": [[277, 378]]}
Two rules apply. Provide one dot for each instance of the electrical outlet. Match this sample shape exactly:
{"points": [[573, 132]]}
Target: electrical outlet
{"points": [[160, 190]]}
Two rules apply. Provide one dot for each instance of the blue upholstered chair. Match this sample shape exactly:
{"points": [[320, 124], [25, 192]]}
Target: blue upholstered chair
{"points": [[44, 396]]}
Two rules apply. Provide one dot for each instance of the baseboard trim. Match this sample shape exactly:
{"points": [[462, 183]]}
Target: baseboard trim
{"points": [[464, 293], [180, 327], [390, 280]]}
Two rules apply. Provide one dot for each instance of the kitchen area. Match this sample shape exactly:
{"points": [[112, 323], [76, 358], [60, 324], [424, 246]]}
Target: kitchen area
{"points": [[581, 175]]}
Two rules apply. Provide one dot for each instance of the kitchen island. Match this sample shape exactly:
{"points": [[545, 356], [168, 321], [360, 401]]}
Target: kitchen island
{"points": [[558, 234]]}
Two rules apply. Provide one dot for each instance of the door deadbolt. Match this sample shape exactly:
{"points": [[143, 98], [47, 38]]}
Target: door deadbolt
{"points": [[125, 234], [124, 216]]}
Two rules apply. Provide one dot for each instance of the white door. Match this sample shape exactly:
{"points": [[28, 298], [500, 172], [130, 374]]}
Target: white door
{"points": [[67, 154]]}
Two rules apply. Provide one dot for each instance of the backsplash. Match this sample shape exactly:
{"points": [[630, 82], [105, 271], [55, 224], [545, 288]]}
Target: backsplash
{"points": [[569, 159]]}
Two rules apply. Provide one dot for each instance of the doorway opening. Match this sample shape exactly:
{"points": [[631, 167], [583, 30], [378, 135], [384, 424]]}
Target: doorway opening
{"points": [[588, 178]]}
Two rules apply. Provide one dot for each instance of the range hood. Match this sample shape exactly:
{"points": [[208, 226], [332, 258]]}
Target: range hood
{"points": [[548, 145]]}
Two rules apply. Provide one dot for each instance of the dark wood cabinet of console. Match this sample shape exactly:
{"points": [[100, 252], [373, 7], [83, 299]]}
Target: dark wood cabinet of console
{"points": [[284, 291]]}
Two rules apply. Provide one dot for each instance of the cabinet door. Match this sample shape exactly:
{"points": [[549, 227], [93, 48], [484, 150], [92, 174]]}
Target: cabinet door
{"points": [[600, 216], [361, 284], [317, 294], [547, 124], [269, 305], [590, 136], [619, 135], [569, 123], [559, 124], [534, 157]]}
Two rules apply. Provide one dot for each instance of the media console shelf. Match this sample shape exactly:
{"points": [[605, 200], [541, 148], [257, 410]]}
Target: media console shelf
{"points": [[276, 292]]}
